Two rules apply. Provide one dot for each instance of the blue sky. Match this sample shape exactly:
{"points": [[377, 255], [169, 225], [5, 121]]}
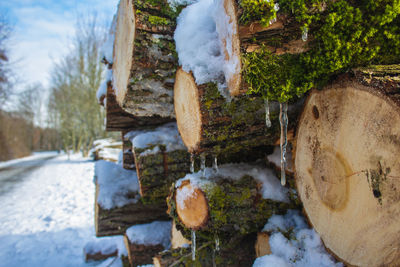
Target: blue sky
{"points": [[42, 30]]}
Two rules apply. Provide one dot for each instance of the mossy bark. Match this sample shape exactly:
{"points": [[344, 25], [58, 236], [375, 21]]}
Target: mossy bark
{"points": [[234, 208], [139, 254], [236, 252], [115, 221], [238, 125], [149, 90], [156, 172]]}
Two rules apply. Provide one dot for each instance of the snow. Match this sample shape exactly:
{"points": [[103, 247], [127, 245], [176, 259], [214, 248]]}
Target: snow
{"points": [[175, 3], [199, 43], [115, 185], [106, 245], [303, 249], [48, 218], [34, 156], [271, 188], [166, 135], [102, 91], [155, 233], [107, 48], [275, 158]]}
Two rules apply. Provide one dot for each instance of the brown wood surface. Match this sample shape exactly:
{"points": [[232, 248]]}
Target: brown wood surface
{"points": [[347, 165]]}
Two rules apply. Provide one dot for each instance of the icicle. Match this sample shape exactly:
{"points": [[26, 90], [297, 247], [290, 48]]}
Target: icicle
{"points": [[203, 163], [216, 243], [215, 164], [192, 163], [193, 245], [283, 119], [304, 34], [267, 115]]}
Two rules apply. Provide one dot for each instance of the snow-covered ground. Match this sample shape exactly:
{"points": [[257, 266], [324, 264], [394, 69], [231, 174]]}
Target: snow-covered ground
{"points": [[48, 218]]}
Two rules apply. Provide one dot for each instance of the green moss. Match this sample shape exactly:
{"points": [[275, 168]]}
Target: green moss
{"points": [[345, 34], [260, 10], [160, 21]]}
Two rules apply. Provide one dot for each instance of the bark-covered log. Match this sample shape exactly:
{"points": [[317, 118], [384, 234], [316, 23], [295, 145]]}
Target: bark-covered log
{"points": [[128, 160], [283, 35], [236, 252], [145, 241], [145, 59], [115, 221], [228, 201], [209, 123], [347, 168]]}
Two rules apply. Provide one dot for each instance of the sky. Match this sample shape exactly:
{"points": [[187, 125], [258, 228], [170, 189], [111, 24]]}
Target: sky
{"points": [[42, 30]]}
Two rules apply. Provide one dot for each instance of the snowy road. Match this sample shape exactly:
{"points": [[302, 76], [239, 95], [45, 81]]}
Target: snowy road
{"points": [[46, 211], [13, 174]]}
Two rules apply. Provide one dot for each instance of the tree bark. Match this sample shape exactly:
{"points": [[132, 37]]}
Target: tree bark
{"points": [[145, 59], [209, 123], [115, 221], [346, 165], [282, 36], [156, 172], [223, 205], [141, 254]]}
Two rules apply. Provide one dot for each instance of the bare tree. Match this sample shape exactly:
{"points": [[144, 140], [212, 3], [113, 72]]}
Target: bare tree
{"points": [[5, 71]]}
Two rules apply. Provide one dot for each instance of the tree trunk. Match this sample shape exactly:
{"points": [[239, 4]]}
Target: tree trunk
{"points": [[346, 165], [139, 254], [145, 59], [282, 36], [209, 123], [220, 205], [128, 160], [115, 221]]}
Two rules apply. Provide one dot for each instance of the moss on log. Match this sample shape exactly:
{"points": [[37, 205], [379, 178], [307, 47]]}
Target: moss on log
{"points": [[128, 160], [209, 123]]}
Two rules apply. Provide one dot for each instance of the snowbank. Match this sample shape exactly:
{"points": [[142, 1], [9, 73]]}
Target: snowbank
{"points": [[303, 249], [155, 233], [271, 187], [115, 185], [166, 135]]}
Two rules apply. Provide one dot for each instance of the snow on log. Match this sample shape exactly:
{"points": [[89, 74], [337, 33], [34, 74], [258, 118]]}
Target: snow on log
{"points": [[161, 159], [118, 204], [237, 198], [104, 248], [144, 62], [144, 241], [106, 149], [211, 39], [346, 165], [128, 160], [207, 122]]}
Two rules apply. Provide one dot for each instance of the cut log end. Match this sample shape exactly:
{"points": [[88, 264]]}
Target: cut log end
{"points": [[123, 48], [191, 206], [347, 172], [228, 32], [187, 109]]}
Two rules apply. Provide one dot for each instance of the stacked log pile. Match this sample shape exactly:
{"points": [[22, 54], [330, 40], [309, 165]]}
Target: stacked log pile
{"points": [[343, 139]]}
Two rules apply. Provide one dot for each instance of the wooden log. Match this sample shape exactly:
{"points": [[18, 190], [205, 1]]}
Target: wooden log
{"points": [[115, 221], [208, 123], [144, 59], [282, 35], [101, 249], [145, 241], [236, 252], [230, 201], [347, 168], [128, 160]]}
